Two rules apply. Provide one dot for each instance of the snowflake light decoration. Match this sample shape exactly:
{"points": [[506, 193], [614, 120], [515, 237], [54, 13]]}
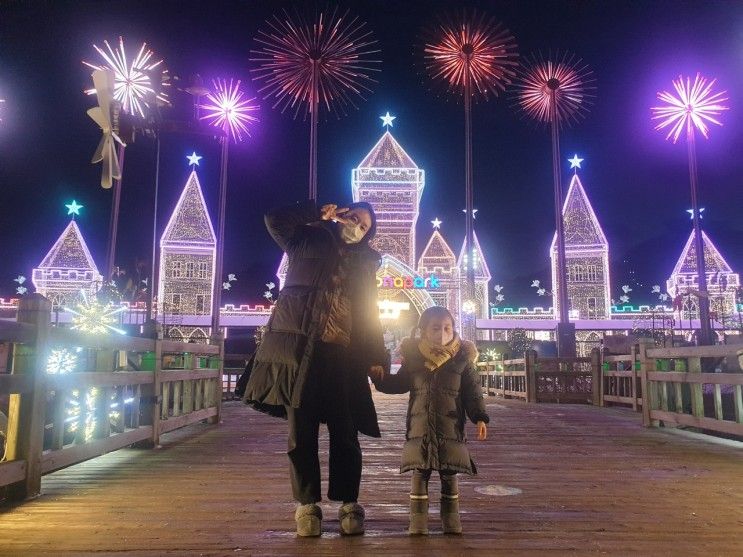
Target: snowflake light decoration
{"points": [[134, 85], [61, 360], [93, 317]]}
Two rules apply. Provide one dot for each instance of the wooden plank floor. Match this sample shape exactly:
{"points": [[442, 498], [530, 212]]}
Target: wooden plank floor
{"points": [[553, 480]]}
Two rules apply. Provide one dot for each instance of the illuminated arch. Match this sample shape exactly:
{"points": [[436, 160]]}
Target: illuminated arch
{"points": [[392, 267]]}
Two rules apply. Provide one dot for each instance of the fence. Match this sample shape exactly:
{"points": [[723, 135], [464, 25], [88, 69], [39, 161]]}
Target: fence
{"points": [[140, 388], [234, 365], [536, 379], [688, 391], [620, 380]]}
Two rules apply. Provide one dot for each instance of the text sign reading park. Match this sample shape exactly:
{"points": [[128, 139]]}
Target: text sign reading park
{"points": [[408, 282]]}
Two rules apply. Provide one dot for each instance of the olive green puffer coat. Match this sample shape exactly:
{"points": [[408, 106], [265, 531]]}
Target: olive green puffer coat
{"points": [[440, 402]]}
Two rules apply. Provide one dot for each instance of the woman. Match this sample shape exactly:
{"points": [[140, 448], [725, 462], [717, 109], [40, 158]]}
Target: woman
{"points": [[321, 342]]}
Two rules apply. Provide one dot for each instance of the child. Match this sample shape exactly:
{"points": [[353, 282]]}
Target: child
{"points": [[439, 371]]}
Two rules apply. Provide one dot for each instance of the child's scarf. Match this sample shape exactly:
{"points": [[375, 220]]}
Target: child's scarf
{"points": [[437, 356]]}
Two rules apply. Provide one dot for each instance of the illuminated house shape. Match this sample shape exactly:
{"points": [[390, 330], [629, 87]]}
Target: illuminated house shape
{"points": [[438, 259], [187, 259], [391, 182], [586, 257], [721, 280], [482, 275], [67, 269]]}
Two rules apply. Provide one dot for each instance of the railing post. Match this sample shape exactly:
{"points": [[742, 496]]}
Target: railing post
{"points": [[530, 358], [633, 386], [26, 412], [694, 365], [597, 376], [219, 339], [647, 398], [151, 397]]}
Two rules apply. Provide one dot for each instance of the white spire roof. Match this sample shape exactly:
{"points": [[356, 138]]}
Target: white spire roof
{"points": [[69, 252], [190, 225], [387, 153], [481, 266], [714, 262], [582, 228]]}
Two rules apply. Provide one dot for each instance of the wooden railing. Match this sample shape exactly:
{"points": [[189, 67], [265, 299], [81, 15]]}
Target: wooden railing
{"points": [[620, 380], [544, 379], [131, 390], [687, 390]]}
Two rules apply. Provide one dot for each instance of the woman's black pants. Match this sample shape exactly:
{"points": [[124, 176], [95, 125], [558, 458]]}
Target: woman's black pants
{"points": [[325, 399]]}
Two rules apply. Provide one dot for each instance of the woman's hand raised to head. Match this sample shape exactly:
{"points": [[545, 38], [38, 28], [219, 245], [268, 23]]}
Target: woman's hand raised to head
{"points": [[376, 373], [332, 212]]}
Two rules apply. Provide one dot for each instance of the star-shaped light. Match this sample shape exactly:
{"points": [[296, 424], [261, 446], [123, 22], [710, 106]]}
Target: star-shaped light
{"points": [[575, 161], [231, 277], [226, 286], [535, 284], [73, 208], [20, 279], [193, 159], [436, 223], [270, 285], [387, 120], [691, 213]]}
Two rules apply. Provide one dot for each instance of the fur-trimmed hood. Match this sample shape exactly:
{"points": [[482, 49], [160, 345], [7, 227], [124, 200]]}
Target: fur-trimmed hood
{"points": [[409, 348]]}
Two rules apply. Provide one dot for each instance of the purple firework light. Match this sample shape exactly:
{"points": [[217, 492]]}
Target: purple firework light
{"points": [[693, 106], [229, 109]]}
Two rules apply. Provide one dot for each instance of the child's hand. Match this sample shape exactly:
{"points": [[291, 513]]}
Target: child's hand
{"points": [[376, 373], [482, 431]]}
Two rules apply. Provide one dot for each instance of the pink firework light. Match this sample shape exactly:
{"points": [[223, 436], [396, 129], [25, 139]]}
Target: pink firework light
{"points": [[327, 62], [693, 106], [473, 46], [565, 75], [138, 79], [229, 109]]}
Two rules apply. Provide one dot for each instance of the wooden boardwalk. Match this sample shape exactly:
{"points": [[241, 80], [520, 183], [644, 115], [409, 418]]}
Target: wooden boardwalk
{"points": [[553, 480]]}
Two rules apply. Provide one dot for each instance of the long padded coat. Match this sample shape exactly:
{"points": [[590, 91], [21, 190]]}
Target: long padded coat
{"points": [[282, 361], [440, 402]]}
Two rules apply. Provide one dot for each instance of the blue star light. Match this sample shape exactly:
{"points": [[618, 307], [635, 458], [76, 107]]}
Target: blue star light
{"points": [[193, 159], [387, 120], [575, 161], [73, 208]]}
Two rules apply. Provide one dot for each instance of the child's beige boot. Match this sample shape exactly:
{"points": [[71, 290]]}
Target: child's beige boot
{"points": [[419, 504], [450, 504]]}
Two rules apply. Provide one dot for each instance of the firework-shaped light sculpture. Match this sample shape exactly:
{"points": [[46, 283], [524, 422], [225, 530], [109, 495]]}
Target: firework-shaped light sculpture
{"points": [[693, 106], [230, 109], [140, 81], [308, 65], [556, 90], [140, 78], [472, 56]]}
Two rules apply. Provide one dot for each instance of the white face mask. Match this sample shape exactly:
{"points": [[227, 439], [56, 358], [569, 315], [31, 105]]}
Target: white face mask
{"points": [[351, 233]]}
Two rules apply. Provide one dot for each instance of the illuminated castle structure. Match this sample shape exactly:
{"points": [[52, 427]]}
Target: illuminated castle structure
{"points": [[722, 282], [393, 184], [586, 258], [67, 269], [187, 259]]}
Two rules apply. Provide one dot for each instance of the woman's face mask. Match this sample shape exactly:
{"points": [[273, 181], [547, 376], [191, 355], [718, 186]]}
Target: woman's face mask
{"points": [[351, 233], [355, 226]]}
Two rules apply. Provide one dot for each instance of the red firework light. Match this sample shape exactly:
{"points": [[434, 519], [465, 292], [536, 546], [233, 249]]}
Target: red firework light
{"points": [[324, 62], [471, 45], [566, 75]]}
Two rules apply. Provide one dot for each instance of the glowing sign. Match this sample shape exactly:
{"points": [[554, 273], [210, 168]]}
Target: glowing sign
{"points": [[407, 282], [391, 310]]}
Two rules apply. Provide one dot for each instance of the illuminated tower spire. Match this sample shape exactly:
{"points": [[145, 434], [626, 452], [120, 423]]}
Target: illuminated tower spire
{"points": [[482, 274], [187, 258], [721, 280], [393, 184], [586, 256], [67, 268]]}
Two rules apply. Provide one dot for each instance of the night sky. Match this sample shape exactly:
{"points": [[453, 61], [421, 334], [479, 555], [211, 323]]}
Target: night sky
{"points": [[637, 181]]}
